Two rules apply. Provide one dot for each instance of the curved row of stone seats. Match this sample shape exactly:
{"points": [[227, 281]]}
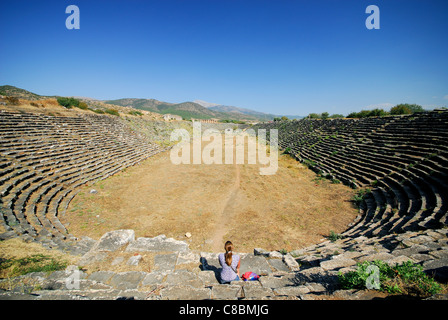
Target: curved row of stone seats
{"points": [[401, 160], [419, 200], [46, 159], [46, 202]]}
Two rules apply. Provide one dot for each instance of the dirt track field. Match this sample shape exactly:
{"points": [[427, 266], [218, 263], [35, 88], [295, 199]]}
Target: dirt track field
{"points": [[214, 203]]}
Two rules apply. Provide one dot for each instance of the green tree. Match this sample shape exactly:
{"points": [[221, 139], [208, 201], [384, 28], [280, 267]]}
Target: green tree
{"points": [[414, 107], [377, 113], [68, 102], [363, 114], [400, 109], [324, 115], [352, 115]]}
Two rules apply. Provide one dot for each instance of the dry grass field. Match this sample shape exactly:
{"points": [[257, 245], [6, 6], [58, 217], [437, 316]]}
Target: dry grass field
{"points": [[51, 107], [215, 203]]}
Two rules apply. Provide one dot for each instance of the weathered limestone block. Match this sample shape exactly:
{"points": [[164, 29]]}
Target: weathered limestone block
{"points": [[377, 256], [127, 280], [109, 242], [333, 264], [278, 265], [278, 282], [159, 243], [256, 291], [134, 260], [292, 291], [275, 255], [291, 262], [153, 278], [113, 240], [183, 277], [101, 276], [226, 292], [165, 262], [185, 293]]}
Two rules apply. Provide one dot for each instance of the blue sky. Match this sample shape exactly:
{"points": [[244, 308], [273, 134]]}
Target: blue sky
{"points": [[275, 56]]}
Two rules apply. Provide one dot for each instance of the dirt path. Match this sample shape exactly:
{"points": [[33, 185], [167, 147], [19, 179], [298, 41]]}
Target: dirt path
{"points": [[227, 214]]}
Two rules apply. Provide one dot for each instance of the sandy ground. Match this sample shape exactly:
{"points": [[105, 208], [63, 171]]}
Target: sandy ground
{"points": [[214, 203]]}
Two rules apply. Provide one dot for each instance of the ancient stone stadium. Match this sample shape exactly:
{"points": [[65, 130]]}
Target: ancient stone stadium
{"points": [[396, 167]]}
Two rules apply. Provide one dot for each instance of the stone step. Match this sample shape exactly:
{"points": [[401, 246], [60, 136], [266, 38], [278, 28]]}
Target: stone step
{"points": [[316, 276]]}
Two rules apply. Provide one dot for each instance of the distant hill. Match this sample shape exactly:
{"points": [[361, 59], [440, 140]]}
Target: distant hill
{"points": [[197, 109], [21, 93], [242, 111], [262, 116], [187, 110], [205, 103], [142, 104], [190, 110]]}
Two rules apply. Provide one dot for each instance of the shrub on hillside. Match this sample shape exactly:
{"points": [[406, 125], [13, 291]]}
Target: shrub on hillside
{"points": [[113, 112], [68, 102], [83, 106], [13, 101], [135, 113], [99, 111]]}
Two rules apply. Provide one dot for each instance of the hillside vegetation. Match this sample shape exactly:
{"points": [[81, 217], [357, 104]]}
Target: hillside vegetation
{"points": [[22, 100], [12, 91], [187, 110]]}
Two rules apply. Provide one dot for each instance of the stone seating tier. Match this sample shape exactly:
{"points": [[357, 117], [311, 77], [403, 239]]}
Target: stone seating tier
{"points": [[402, 159], [178, 273], [47, 158]]}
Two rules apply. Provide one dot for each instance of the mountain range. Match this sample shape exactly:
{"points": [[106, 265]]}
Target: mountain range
{"points": [[236, 111], [197, 109], [187, 110]]}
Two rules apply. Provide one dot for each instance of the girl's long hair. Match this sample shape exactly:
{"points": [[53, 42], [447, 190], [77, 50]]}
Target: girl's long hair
{"points": [[228, 255]]}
